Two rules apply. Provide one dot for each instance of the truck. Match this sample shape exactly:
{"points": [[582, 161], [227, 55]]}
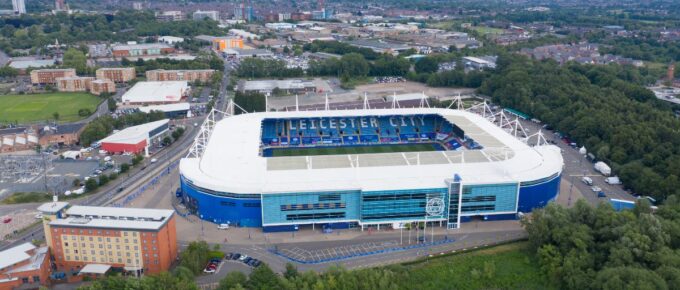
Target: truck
{"points": [[603, 168], [612, 180]]}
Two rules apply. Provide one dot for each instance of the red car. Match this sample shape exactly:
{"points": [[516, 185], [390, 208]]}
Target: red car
{"points": [[6, 220]]}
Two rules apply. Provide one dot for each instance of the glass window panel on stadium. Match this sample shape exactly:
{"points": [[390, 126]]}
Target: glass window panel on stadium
{"points": [[452, 204]]}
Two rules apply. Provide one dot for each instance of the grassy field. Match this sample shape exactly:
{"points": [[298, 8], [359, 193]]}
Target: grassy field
{"points": [[508, 266], [26, 197], [484, 30], [29, 108], [352, 150]]}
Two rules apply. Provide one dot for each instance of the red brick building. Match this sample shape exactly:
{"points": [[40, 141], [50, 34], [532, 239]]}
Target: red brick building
{"points": [[24, 267], [49, 76], [131, 239]]}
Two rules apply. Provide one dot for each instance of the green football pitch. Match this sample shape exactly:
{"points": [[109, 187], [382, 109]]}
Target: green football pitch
{"points": [[343, 150], [38, 107]]}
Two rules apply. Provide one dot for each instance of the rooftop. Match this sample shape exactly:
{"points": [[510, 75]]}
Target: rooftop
{"points": [[52, 207], [114, 218], [141, 46], [150, 92], [233, 164], [166, 108], [281, 84], [24, 64], [134, 134], [15, 255]]}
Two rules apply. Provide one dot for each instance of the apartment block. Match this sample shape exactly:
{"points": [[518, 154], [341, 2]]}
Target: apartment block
{"points": [[74, 84], [202, 75], [49, 76], [100, 86], [116, 74], [131, 239]]}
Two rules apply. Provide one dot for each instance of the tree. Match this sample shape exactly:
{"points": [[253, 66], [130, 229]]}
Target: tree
{"points": [[91, 184], [291, 271], [111, 103], [76, 182], [250, 101], [426, 65], [55, 115], [354, 65], [124, 167], [74, 58], [232, 279], [103, 179], [263, 278], [195, 257]]}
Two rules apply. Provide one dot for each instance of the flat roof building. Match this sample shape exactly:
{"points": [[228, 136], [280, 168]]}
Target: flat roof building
{"points": [[116, 74], [202, 75], [74, 84], [49, 76], [24, 267], [142, 49], [98, 87], [156, 93], [212, 14], [135, 139], [171, 110], [132, 239]]}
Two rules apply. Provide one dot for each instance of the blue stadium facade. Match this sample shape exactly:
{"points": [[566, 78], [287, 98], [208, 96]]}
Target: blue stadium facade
{"points": [[461, 200]]}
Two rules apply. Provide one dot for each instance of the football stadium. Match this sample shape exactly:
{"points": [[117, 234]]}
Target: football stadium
{"points": [[361, 168]]}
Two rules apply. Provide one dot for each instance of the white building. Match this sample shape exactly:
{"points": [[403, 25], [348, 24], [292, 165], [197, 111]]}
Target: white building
{"points": [[244, 34], [280, 26], [19, 6], [200, 15], [170, 39], [156, 93]]}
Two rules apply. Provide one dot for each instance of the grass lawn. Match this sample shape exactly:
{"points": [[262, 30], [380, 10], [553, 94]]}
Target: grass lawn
{"points": [[508, 266], [38, 107], [343, 150], [26, 197], [484, 30]]}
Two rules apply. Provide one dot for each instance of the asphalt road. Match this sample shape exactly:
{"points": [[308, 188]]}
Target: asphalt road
{"points": [[102, 198]]}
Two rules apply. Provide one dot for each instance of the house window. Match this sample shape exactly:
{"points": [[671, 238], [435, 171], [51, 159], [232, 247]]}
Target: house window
{"points": [[24, 280], [36, 278]]}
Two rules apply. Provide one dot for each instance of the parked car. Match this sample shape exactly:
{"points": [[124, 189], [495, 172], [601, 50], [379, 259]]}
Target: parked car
{"points": [[257, 263], [223, 226], [236, 256], [587, 180], [243, 257], [601, 194], [247, 260], [209, 270], [596, 188]]}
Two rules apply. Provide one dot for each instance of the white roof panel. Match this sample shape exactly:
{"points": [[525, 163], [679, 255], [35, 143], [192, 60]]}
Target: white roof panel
{"points": [[15, 255], [156, 92], [166, 108], [134, 134]]}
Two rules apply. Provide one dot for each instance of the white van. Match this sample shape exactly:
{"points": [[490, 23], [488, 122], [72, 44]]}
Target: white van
{"points": [[612, 180], [587, 180], [223, 226]]}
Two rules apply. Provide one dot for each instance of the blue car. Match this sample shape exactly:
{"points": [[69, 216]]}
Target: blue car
{"points": [[601, 194]]}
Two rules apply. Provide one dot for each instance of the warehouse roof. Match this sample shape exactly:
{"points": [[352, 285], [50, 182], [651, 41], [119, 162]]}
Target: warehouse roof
{"points": [[156, 92], [134, 134], [166, 108]]}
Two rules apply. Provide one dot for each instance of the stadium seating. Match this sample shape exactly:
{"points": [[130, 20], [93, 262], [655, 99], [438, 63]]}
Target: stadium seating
{"points": [[363, 130]]}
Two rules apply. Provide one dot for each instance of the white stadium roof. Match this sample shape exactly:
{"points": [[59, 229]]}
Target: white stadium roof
{"points": [[134, 134], [156, 92], [231, 162]]}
